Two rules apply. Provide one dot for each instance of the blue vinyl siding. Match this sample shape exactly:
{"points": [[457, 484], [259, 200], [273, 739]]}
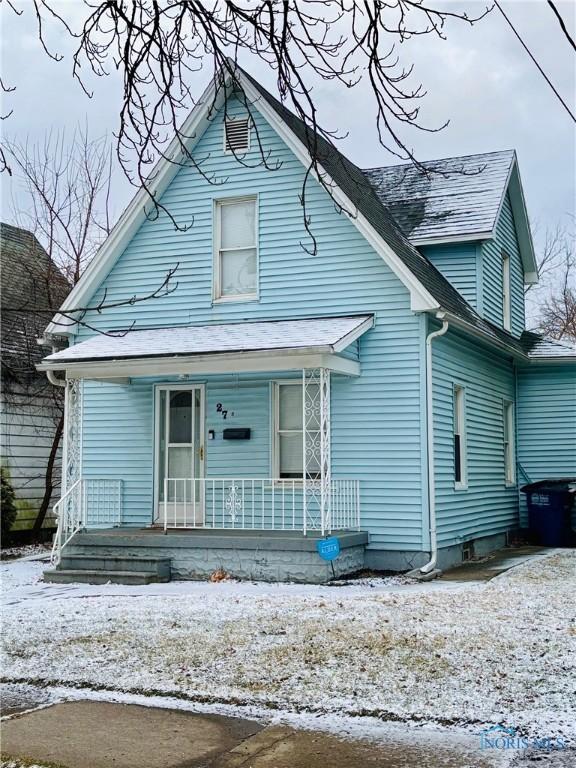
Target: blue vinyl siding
{"points": [[505, 240], [116, 444], [376, 418], [458, 263], [546, 423], [486, 506]]}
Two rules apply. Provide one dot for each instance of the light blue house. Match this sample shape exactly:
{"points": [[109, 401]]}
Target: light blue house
{"points": [[364, 372]]}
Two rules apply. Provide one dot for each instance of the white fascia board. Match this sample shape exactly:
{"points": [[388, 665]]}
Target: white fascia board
{"points": [[351, 337], [439, 240], [421, 299], [238, 362], [513, 186], [489, 340], [134, 215], [553, 359]]}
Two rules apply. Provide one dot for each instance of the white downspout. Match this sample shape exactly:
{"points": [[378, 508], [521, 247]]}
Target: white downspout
{"points": [[431, 564], [53, 379]]}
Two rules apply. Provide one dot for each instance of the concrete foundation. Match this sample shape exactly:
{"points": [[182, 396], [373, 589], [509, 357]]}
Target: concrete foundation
{"points": [[259, 555], [254, 555], [398, 560]]}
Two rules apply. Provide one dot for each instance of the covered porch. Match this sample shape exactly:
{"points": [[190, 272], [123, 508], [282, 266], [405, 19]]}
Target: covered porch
{"points": [[239, 429]]}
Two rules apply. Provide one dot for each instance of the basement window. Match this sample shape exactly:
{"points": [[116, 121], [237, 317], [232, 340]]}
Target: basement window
{"points": [[460, 469], [237, 135]]}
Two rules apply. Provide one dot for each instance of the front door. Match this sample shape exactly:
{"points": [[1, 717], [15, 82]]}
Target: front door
{"points": [[180, 455]]}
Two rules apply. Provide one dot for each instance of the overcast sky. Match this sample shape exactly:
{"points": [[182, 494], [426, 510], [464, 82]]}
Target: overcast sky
{"points": [[479, 78]]}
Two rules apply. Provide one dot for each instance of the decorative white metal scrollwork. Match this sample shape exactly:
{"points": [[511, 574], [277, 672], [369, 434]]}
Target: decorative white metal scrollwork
{"points": [[316, 448], [233, 502]]}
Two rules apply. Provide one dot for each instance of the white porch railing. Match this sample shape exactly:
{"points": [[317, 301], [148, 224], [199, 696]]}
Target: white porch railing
{"points": [[275, 504], [95, 499]]}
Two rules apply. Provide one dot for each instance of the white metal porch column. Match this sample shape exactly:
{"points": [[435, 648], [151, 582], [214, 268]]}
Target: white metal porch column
{"points": [[72, 444], [317, 481]]}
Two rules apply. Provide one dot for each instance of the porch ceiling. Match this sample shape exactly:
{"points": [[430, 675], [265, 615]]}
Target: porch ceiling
{"points": [[232, 347]]}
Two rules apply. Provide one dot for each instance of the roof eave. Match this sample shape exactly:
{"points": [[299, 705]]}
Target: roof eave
{"points": [[421, 300], [487, 338], [520, 214], [133, 216]]}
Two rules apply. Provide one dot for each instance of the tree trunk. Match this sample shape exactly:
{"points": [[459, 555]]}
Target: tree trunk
{"points": [[49, 484]]}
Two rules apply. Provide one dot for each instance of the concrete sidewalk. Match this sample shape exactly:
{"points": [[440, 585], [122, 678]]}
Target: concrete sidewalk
{"points": [[89, 734], [494, 564]]}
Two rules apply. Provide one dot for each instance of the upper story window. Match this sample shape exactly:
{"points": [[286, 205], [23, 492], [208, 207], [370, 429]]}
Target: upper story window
{"points": [[506, 301], [509, 449], [236, 250], [460, 468], [237, 134]]}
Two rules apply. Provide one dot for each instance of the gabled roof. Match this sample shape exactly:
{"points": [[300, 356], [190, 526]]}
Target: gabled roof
{"points": [[459, 199], [30, 283], [460, 196], [350, 187], [359, 191]]}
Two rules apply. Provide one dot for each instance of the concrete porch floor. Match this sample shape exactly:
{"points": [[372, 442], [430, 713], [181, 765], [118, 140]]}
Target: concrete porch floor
{"points": [[262, 539]]}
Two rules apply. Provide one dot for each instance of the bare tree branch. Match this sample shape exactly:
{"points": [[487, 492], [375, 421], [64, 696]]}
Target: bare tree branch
{"points": [[159, 46], [555, 296]]}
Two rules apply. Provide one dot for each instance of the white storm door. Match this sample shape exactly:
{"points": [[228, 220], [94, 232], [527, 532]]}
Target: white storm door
{"points": [[180, 455]]}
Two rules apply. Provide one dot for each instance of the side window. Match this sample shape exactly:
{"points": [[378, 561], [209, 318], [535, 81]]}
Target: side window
{"points": [[235, 250], [460, 468], [506, 300], [509, 447]]}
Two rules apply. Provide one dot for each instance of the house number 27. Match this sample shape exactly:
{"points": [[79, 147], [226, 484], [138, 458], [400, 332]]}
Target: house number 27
{"points": [[222, 410]]}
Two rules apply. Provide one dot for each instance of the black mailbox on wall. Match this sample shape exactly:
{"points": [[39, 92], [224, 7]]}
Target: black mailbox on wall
{"points": [[236, 433]]}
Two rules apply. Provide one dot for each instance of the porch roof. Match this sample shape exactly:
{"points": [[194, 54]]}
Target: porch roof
{"points": [[269, 345]]}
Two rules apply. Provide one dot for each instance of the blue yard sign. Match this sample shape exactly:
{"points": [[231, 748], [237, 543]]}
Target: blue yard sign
{"points": [[328, 549]]}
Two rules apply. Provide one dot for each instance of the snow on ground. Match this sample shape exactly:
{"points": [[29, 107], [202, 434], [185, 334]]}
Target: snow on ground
{"points": [[9, 553], [501, 651]]}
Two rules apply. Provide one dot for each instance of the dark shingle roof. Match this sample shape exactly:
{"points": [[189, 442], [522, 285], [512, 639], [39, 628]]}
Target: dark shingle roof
{"points": [[460, 197], [30, 281], [356, 186], [538, 347]]}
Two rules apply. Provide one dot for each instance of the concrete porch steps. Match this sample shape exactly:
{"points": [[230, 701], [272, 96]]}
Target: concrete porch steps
{"points": [[256, 555], [117, 569], [85, 576]]}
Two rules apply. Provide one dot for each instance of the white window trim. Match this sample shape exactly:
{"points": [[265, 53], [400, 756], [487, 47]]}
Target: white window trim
{"points": [[216, 229], [275, 425], [460, 404], [232, 120], [509, 425], [506, 297]]}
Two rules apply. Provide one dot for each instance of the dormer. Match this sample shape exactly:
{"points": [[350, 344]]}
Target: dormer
{"points": [[467, 215]]}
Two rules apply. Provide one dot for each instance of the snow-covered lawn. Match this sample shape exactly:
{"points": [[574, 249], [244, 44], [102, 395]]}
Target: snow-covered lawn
{"points": [[503, 651]]}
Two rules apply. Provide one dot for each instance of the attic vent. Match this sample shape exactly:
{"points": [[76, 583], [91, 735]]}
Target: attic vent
{"points": [[237, 133]]}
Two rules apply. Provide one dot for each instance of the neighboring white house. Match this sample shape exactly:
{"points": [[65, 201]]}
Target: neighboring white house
{"points": [[30, 407]]}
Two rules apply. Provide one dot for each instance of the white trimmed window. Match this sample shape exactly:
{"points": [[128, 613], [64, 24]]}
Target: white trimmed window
{"points": [[288, 437], [460, 468], [236, 249], [506, 300], [509, 447]]}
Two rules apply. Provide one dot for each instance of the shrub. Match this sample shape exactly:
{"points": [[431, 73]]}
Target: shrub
{"points": [[8, 509]]}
